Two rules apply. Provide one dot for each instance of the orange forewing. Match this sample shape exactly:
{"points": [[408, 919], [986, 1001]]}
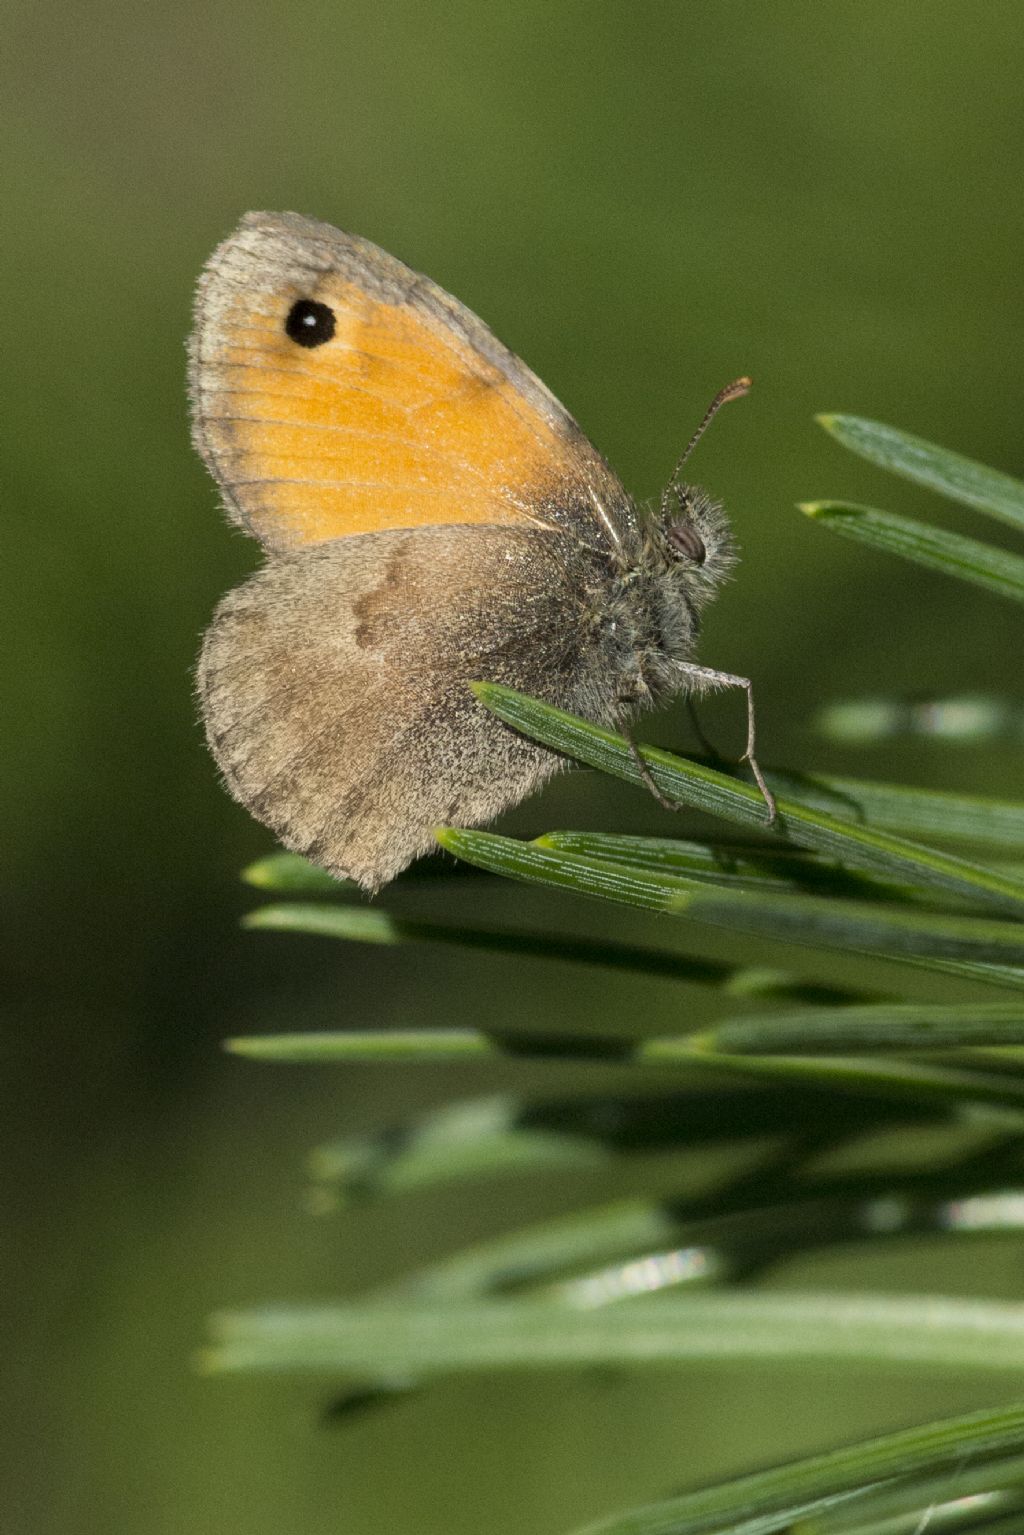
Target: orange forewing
{"points": [[398, 420]]}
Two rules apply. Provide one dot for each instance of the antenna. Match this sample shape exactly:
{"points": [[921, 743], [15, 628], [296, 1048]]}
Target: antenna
{"points": [[733, 391]]}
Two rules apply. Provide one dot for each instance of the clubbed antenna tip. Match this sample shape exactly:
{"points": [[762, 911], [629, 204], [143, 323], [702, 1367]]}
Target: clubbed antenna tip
{"points": [[733, 391]]}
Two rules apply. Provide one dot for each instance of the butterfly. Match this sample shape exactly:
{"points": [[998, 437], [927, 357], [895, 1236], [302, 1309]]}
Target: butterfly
{"points": [[430, 516]]}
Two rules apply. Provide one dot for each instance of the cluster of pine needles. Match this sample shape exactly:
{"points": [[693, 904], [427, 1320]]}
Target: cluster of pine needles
{"points": [[792, 1069]]}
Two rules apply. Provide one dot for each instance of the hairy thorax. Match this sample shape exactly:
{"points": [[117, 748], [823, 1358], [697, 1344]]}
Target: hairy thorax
{"points": [[653, 598]]}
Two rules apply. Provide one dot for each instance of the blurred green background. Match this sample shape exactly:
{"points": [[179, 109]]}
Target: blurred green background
{"points": [[644, 201]]}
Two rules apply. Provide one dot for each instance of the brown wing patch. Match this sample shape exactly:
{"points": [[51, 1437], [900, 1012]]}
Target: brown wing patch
{"points": [[411, 413], [334, 685]]}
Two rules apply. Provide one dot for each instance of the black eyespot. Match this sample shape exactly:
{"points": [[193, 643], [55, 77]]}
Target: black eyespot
{"points": [[687, 542], [309, 322]]}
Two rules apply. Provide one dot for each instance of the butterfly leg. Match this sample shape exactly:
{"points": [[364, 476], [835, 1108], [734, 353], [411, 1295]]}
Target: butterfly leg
{"points": [[646, 776], [704, 677], [629, 700]]}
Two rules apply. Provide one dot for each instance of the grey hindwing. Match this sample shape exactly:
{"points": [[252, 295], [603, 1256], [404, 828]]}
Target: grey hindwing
{"points": [[334, 684]]}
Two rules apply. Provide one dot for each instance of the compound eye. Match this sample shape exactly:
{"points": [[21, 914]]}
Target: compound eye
{"points": [[687, 542]]}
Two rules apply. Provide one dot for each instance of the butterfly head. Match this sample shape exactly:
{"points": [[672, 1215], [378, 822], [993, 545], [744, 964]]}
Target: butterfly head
{"points": [[698, 543]]}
